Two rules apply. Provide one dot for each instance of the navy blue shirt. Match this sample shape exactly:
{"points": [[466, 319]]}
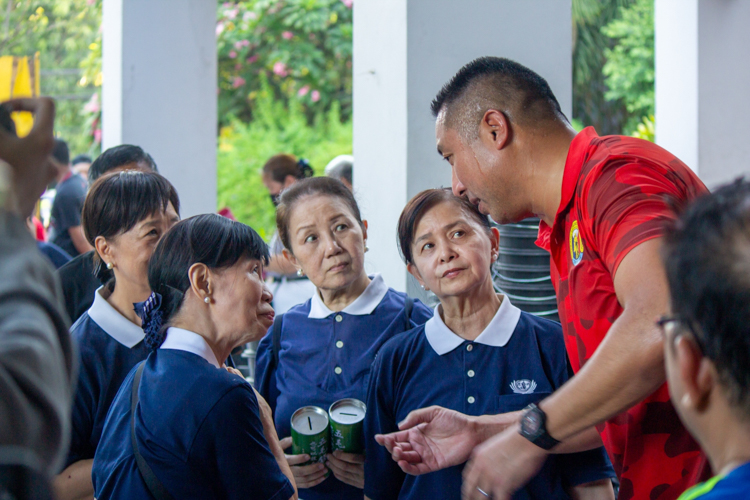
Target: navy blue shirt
{"points": [[197, 426], [109, 346], [56, 255], [326, 356], [517, 360], [734, 485]]}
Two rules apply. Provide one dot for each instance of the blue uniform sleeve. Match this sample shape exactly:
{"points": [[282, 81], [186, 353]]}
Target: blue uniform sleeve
{"points": [[383, 477], [265, 371], [84, 401], [244, 465], [585, 467]]}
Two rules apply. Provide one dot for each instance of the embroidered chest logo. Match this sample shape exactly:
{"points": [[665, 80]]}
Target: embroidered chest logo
{"points": [[576, 244], [523, 386]]}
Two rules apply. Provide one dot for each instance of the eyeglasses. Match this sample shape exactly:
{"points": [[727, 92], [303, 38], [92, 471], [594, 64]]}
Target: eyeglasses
{"points": [[669, 324]]}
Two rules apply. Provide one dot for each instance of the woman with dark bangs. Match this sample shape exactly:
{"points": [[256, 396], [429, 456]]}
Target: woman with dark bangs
{"points": [[183, 425], [124, 216]]}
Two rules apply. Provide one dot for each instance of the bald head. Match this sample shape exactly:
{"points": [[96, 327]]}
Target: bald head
{"points": [[495, 83]]}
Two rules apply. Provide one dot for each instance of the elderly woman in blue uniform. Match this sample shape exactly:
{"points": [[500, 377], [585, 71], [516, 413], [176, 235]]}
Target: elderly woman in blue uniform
{"points": [[124, 216], [182, 425], [479, 354], [325, 346]]}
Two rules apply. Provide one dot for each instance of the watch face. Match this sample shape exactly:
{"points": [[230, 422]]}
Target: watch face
{"points": [[531, 423]]}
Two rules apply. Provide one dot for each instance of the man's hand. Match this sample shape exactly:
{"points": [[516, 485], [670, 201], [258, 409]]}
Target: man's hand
{"points": [[501, 466], [28, 157], [435, 438]]}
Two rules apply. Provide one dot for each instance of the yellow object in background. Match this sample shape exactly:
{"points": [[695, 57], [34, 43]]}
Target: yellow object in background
{"points": [[19, 77]]}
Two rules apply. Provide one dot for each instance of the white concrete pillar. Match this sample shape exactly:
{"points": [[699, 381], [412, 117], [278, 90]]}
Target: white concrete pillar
{"points": [[159, 65], [702, 81], [404, 51]]}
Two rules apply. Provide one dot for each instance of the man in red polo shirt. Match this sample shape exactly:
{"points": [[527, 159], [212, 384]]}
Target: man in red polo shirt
{"points": [[603, 202]]}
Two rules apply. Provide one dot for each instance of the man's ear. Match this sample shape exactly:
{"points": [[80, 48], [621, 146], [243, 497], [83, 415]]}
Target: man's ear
{"points": [[200, 281], [494, 129], [698, 375], [415, 272]]}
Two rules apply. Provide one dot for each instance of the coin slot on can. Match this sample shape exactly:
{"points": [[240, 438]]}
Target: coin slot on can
{"points": [[347, 418], [310, 433]]}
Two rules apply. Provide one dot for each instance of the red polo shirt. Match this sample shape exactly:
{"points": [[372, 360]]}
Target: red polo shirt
{"points": [[614, 197]]}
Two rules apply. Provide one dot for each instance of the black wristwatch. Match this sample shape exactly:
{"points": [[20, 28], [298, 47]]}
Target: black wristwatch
{"points": [[534, 427]]}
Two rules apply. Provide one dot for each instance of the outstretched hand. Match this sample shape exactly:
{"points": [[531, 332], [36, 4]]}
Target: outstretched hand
{"points": [[431, 439], [31, 169]]}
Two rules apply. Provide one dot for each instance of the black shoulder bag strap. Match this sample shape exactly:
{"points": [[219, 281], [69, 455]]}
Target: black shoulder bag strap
{"points": [[408, 307], [276, 339], [152, 482]]}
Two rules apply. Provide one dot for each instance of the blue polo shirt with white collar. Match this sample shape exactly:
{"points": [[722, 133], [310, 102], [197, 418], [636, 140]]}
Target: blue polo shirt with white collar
{"points": [[197, 426], [326, 356], [109, 345], [517, 360]]}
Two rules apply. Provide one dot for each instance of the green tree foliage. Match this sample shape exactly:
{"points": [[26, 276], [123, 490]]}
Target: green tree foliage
{"points": [[65, 33], [302, 47], [629, 69], [277, 127], [590, 107]]}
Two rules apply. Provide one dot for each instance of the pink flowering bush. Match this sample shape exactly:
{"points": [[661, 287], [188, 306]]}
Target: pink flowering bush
{"points": [[302, 47]]}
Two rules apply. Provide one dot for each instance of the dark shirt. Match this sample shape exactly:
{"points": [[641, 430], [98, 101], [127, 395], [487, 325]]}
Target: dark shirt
{"points": [[78, 284], [66, 211], [325, 356], [199, 429], [109, 346], [56, 255], [517, 360]]}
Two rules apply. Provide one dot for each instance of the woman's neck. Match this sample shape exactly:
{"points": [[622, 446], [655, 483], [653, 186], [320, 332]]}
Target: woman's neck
{"points": [[201, 325], [468, 315], [124, 296], [337, 300]]}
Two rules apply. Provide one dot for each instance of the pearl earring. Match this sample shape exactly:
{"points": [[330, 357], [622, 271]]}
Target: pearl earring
{"points": [[367, 249], [687, 400], [300, 273], [109, 265], [206, 300]]}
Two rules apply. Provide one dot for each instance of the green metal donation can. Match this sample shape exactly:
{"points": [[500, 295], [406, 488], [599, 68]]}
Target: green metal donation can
{"points": [[347, 418], [310, 434]]}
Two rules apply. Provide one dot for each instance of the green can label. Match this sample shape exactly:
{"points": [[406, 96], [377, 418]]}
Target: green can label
{"points": [[310, 433], [347, 418]]}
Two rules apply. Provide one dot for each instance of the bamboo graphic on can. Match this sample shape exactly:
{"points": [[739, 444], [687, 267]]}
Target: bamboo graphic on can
{"points": [[347, 420], [310, 433]]}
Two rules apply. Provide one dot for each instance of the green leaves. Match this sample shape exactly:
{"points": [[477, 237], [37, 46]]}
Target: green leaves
{"points": [[278, 126]]}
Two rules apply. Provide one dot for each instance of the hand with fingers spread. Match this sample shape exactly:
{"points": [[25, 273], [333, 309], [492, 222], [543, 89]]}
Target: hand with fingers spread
{"points": [[306, 476], [31, 169], [348, 468], [431, 439]]}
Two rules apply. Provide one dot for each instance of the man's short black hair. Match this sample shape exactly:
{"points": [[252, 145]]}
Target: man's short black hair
{"points": [[707, 258], [60, 152], [118, 156], [80, 159], [495, 83]]}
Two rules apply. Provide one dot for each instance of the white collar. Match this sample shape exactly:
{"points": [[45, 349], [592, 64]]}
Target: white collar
{"points": [[362, 305], [185, 340], [113, 323], [496, 334]]}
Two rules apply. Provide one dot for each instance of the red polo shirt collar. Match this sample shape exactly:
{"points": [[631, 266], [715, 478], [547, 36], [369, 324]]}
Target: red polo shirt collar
{"points": [[577, 153]]}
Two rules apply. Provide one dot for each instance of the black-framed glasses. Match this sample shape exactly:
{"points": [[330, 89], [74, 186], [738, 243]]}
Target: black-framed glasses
{"points": [[687, 327]]}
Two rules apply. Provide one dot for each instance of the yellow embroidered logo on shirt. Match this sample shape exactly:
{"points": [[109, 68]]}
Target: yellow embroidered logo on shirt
{"points": [[576, 244]]}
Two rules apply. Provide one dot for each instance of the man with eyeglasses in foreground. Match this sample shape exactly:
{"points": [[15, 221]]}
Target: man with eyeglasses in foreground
{"points": [[707, 334]]}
